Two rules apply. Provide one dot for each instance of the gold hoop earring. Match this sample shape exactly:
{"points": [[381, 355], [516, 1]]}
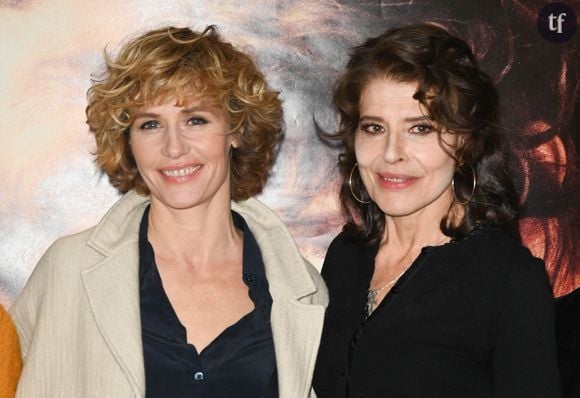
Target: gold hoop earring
{"points": [[473, 186], [352, 190]]}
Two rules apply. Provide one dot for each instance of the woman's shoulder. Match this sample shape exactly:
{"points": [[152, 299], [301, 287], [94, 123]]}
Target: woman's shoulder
{"points": [[347, 255], [267, 227], [257, 213], [498, 245], [348, 244], [285, 266], [74, 252], [503, 257], [66, 248]]}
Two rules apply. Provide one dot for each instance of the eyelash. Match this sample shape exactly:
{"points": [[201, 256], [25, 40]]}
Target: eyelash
{"points": [[427, 128], [153, 124], [366, 126], [198, 120], [369, 128], [148, 125]]}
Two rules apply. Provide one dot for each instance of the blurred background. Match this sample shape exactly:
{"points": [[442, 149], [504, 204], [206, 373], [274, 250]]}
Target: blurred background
{"points": [[50, 49]]}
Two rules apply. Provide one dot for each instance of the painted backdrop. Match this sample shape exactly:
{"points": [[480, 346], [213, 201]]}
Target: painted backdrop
{"points": [[49, 49]]}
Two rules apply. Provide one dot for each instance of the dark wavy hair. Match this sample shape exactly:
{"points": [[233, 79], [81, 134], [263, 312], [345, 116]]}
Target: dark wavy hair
{"points": [[459, 98], [171, 64]]}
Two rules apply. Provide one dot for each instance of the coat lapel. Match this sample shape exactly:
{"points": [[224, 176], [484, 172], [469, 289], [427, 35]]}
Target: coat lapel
{"points": [[113, 291], [296, 322], [296, 328], [112, 287]]}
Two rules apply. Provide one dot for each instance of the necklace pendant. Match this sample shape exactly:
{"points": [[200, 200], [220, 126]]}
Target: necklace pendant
{"points": [[371, 301]]}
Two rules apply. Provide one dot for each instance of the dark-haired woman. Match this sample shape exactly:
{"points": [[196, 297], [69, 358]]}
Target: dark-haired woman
{"points": [[188, 287], [431, 293]]}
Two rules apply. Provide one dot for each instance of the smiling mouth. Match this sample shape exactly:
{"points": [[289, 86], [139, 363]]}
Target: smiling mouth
{"points": [[181, 172], [394, 179], [396, 182]]}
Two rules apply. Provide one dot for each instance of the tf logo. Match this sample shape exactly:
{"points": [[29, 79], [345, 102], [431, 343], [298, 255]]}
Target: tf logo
{"points": [[557, 22]]}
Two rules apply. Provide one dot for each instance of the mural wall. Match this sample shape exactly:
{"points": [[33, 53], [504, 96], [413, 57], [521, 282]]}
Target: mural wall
{"points": [[49, 50]]}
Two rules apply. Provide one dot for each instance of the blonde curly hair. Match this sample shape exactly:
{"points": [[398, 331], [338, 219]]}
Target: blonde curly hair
{"points": [[178, 63]]}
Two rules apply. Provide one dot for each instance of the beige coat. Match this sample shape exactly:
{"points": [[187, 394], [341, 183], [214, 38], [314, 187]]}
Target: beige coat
{"points": [[78, 316]]}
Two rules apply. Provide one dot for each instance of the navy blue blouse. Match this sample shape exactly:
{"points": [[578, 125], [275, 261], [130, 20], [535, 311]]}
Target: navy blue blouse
{"points": [[240, 362]]}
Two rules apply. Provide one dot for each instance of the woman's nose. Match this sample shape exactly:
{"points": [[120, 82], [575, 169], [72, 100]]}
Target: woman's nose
{"points": [[394, 149], [175, 144]]}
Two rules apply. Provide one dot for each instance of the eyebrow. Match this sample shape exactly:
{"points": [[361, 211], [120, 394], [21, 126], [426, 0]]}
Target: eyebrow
{"points": [[407, 119], [418, 119], [195, 109], [145, 114], [186, 111]]}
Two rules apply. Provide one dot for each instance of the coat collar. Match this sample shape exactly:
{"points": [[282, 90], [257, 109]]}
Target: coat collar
{"points": [[121, 224], [277, 247]]}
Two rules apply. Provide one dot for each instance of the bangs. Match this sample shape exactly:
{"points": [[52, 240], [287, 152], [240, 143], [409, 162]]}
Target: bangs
{"points": [[181, 88]]}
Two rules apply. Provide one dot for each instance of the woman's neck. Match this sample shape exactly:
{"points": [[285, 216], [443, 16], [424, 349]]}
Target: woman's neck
{"points": [[412, 232], [198, 236]]}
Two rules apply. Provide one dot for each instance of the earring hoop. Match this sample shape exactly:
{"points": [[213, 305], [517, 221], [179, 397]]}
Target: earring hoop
{"points": [[352, 190], [473, 186]]}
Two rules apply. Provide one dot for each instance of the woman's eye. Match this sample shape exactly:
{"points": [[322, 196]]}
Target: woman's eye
{"points": [[421, 129], [149, 125], [371, 128], [196, 121]]}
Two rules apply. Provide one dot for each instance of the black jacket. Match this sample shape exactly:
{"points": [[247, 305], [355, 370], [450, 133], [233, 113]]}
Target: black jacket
{"points": [[469, 319], [568, 335]]}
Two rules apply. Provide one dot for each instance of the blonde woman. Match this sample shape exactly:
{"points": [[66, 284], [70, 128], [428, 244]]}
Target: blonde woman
{"points": [[188, 286]]}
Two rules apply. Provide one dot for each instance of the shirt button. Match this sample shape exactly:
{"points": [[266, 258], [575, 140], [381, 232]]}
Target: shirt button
{"points": [[198, 376], [342, 371], [395, 290]]}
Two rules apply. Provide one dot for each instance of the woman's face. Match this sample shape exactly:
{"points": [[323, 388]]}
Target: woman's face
{"points": [[405, 164], [182, 153]]}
